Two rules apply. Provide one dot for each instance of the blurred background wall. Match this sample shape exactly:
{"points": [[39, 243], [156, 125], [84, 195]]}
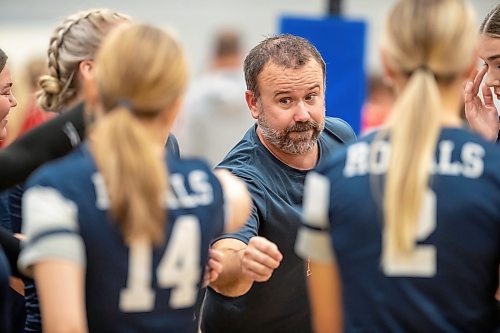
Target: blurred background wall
{"points": [[25, 25]]}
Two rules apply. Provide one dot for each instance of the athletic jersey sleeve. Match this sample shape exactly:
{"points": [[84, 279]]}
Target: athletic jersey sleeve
{"points": [[51, 228], [46, 142], [313, 237], [251, 227]]}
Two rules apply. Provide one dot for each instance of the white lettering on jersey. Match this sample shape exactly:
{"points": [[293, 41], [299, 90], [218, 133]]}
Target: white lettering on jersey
{"points": [[472, 157], [202, 192], [360, 160], [177, 197], [357, 160]]}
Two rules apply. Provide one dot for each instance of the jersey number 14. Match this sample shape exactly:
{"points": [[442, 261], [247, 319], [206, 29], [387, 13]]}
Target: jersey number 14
{"points": [[179, 269]]}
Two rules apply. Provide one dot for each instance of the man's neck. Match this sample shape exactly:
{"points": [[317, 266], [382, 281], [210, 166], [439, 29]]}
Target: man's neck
{"points": [[306, 161]]}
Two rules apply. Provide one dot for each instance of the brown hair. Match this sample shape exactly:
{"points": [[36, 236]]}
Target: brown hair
{"points": [[285, 50], [491, 23], [3, 59]]}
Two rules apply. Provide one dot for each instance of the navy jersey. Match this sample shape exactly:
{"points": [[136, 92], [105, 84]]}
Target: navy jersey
{"points": [[137, 289], [449, 283], [5, 294], [33, 318], [281, 303]]}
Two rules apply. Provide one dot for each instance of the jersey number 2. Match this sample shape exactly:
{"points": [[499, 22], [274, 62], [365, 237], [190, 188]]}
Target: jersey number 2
{"points": [[421, 262], [179, 269]]}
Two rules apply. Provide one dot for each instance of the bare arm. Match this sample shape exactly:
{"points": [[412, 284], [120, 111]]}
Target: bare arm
{"points": [[325, 297], [60, 285], [243, 264]]}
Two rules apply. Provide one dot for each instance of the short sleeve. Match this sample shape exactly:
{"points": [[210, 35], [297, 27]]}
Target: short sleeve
{"points": [[51, 228]]}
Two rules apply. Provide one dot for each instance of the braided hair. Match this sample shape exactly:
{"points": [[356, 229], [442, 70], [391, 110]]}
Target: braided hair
{"points": [[76, 39]]}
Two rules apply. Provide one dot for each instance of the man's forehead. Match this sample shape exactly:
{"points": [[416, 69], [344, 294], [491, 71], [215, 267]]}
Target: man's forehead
{"points": [[275, 75]]}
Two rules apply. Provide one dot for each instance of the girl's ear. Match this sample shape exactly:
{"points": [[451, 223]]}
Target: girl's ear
{"points": [[85, 67]]}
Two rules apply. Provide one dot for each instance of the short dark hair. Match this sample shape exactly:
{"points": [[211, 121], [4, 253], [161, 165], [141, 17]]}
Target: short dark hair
{"points": [[227, 43], [3, 59], [491, 23], [284, 50]]}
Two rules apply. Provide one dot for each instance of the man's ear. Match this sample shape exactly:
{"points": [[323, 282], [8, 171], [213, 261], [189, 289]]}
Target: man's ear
{"points": [[252, 102], [86, 67]]}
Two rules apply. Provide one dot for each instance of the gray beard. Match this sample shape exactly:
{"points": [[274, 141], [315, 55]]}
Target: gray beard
{"points": [[282, 139]]}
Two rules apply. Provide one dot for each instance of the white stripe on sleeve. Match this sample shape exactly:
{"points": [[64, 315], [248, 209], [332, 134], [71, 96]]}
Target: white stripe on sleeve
{"points": [[313, 238], [51, 228]]}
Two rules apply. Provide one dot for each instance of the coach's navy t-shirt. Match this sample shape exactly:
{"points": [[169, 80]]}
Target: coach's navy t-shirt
{"points": [[281, 303]]}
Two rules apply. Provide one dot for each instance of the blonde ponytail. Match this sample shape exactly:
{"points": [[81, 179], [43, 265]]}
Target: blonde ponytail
{"points": [[134, 173], [428, 45], [413, 140], [136, 88]]}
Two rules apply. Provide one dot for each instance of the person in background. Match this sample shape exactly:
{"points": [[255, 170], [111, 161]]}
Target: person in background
{"points": [[421, 254], [215, 116], [378, 105], [118, 231]]}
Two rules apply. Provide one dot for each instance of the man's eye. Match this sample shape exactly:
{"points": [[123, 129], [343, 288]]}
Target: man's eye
{"points": [[286, 100]]}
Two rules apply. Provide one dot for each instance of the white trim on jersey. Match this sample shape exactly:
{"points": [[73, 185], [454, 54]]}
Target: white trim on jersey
{"points": [[313, 238], [51, 228]]}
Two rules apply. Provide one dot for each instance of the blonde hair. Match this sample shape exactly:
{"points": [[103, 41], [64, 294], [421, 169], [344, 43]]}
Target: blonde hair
{"points": [[432, 43], [141, 71], [76, 39]]}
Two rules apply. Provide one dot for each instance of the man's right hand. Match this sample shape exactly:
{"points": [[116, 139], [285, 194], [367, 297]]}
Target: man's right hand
{"points": [[260, 258]]}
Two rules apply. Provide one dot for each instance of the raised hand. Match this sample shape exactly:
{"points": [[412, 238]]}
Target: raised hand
{"points": [[482, 116], [260, 258]]}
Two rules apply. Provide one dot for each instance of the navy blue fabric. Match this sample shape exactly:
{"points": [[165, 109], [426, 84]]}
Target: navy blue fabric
{"points": [[173, 146], [5, 295], [33, 321], [15, 207], [33, 316], [107, 255], [280, 304], [4, 211], [460, 296]]}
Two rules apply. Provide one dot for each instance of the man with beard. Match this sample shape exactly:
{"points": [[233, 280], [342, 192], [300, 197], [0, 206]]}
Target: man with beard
{"points": [[262, 287]]}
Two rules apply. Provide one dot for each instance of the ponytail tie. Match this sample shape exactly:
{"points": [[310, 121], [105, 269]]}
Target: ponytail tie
{"points": [[125, 103]]}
